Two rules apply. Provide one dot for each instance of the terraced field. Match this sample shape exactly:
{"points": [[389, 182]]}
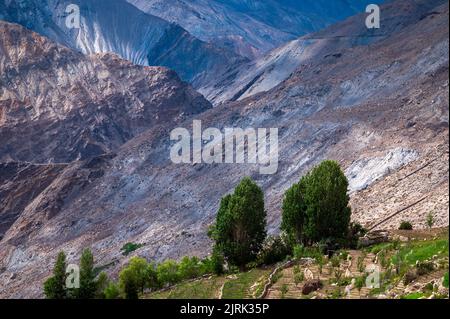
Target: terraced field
{"points": [[339, 275]]}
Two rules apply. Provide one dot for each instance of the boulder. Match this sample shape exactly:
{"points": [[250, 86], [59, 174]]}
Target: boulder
{"points": [[372, 238], [311, 286]]}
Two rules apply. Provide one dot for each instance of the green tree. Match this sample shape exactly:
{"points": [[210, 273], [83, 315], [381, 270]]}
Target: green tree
{"points": [[55, 286], [240, 228], [112, 291], [168, 273], [294, 212], [100, 285], [189, 267], [134, 278], [88, 285], [328, 212]]}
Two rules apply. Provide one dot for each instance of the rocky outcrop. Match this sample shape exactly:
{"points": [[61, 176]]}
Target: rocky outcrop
{"points": [[311, 286], [251, 28], [59, 105], [115, 26]]}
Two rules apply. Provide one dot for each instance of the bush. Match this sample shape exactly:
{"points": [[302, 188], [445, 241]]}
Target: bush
{"points": [[301, 251], [335, 261], [275, 250], [189, 268], [167, 273], [430, 220], [355, 232], [240, 228], [424, 267], [128, 248], [405, 225], [112, 291], [360, 282], [137, 276], [284, 290]]}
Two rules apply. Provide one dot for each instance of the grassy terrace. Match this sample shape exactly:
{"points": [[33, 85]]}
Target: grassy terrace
{"points": [[239, 286], [250, 284]]}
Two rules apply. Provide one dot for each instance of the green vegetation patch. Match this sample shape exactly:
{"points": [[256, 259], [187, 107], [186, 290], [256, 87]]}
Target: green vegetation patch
{"points": [[240, 287], [201, 289], [414, 295], [422, 250], [128, 248]]}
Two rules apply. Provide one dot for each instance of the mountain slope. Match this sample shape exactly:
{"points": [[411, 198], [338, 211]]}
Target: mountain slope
{"points": [[118, 27], [381, 110], [246, 79], [250, 27], [58, 105]]}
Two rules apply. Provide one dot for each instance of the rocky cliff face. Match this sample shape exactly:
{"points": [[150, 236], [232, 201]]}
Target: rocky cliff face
{"points": [[251, 28], [118, 27], [58, 105], [380, 109], [260, 75]]}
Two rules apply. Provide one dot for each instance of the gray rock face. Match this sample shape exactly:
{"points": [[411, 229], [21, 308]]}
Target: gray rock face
{"points": [[59, 105], [251, 28], [243, 80], [118, 27], [355, 105]]}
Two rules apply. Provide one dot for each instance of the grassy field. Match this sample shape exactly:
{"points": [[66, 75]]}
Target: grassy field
{"points": [[238, 286], [201, 289], [246, 284]]}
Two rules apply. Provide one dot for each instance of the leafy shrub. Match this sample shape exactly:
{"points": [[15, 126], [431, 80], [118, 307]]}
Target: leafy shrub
{"points": [[112, 291], [275, 249], [299, 278], [335, 261], [424, 267], [360, 282], [360, 263], [284, 290], [276, 276], [128, 248], [213, 264], [301, 251], [189, 268], [430, 220], [405, 225], [355, 232], [168, 273]]}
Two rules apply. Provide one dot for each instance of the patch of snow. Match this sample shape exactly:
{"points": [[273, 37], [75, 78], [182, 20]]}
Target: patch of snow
{"points": [[364, 172]]}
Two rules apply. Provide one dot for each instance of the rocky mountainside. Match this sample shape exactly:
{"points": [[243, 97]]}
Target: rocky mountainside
{"points": [[118, 27], [249, 27], [380, 109], [59, 105], [246, 79]]}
